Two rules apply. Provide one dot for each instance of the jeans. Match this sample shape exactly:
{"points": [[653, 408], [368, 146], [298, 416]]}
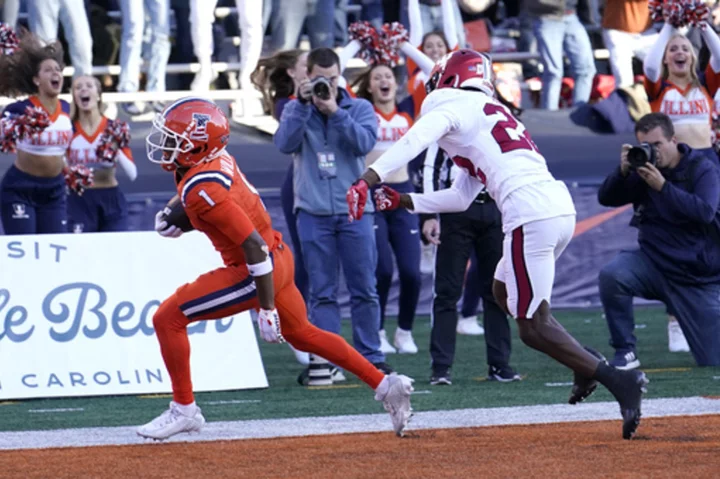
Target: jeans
{"points": [[43, 17], [372, 11], [432, 21], [623, 46], [327, 242], [696, 306], [555, 37], [133, 23], [250, 23], [289, 16], [287, 201], [11, 11]]}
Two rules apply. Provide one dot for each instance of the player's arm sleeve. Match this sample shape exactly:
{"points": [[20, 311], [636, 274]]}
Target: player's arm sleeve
{"points": [[449, 27], [431, 169], [290, 133], [652, 66], [359, 129], [458, 198], [415, 20], [126, 163], [427, 130]]}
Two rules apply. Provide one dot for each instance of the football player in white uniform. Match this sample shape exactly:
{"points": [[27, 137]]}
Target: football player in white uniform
{"points": [[483, 138]]}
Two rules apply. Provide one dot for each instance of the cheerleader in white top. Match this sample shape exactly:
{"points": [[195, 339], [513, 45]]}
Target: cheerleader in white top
{"points": [[396, 232], [32, 192], [676, 87], [101, 145]]}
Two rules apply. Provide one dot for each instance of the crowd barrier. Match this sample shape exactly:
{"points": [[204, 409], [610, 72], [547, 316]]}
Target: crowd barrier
{"points": [[76, 317]]}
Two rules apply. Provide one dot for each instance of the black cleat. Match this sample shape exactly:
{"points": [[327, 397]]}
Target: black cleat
{"points": [[583, 387], [441, 377], [503, 374], [628, 390]]}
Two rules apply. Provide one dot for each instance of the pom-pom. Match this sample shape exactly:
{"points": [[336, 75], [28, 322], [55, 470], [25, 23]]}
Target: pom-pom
{"points": [[22, 127], [9, 42], [115, 137], [379, 47], [368, 37], [391, 37], [680, 13], [78, 178]]}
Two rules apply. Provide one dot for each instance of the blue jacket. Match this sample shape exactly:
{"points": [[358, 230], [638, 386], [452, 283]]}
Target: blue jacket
{"points": [[349, 134], [678, 226]]}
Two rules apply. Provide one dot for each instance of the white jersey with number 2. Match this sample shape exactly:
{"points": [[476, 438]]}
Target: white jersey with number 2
{"points": [[491, 147]]}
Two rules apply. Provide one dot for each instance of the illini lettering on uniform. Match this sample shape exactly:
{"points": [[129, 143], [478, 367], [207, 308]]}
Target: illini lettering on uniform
{"points": [[685, 107]]}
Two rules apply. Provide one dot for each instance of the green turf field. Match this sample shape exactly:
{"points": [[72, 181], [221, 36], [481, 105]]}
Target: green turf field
{"points": [[545, 382]]}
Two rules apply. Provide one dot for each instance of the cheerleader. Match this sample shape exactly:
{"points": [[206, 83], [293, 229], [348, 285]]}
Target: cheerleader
{"points": [[434, 45], [396, 232], [33, 198], [95, 145], [676, 88]]}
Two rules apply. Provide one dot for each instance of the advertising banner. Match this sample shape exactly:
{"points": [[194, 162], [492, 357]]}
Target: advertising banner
{"points": [[76, 317]]}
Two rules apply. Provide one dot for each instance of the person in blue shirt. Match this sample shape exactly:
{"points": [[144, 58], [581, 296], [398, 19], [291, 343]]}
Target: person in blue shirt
{"points": [[329, 133], [678, 261]]}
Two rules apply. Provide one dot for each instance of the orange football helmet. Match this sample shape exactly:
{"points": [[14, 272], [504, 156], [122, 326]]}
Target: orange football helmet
{"points": [[188, 132]]}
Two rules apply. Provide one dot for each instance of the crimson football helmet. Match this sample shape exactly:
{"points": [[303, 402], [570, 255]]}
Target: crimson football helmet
{"points": [[463, 69], [188, 132]]}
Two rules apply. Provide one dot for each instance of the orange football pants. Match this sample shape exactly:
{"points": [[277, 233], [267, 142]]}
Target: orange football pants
{"points": [[231, 290]]}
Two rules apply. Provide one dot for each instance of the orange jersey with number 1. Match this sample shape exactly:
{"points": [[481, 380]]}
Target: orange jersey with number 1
{"points": [[221, 203]]}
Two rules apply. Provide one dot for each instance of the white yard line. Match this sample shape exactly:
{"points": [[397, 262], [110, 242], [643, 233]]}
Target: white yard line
{"points": [[60, 409], [312, 426]]}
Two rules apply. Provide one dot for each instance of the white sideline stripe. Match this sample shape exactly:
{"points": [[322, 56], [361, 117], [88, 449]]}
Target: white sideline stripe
{"points": [[60, 409], [313, 426], [557, 385]]}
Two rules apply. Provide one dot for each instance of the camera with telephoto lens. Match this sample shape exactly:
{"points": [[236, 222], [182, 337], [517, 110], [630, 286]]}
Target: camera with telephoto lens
{"points": [[321, 87], [639, 155]]}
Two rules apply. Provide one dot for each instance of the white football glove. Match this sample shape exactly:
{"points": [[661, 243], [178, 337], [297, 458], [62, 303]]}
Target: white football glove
{"points": [[163, 229], [269, 324]]}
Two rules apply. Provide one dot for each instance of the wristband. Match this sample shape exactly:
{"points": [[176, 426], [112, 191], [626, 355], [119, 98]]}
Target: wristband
{"points": [[261, 269]]}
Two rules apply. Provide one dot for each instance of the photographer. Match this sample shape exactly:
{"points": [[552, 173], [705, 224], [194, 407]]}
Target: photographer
{"points": [[329, 133], [675, 192]]}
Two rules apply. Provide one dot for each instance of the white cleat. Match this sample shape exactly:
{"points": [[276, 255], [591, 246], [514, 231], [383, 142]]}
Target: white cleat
{"points": [[676, 339], [404, 342], [385, 346], [470, 327], [172, 422], [396, 401], [301, 356]]}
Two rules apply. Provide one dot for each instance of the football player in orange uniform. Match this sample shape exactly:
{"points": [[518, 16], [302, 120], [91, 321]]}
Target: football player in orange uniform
{"points": [[189, 139]]}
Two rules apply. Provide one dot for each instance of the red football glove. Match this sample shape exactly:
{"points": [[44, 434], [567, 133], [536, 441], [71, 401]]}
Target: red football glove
{"points": [[357, 198], [387, 199], [78, 178]]}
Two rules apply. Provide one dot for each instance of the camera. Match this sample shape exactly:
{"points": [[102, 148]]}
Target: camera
{"points": [[321, 87], [639, 155]]}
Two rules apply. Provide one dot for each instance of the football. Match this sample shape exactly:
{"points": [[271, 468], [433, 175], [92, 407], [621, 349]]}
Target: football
{"points": [[175, 215]]}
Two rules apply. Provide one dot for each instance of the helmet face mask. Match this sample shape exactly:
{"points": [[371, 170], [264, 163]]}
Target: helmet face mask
{"points": [[189, 132], [163, 145]]}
